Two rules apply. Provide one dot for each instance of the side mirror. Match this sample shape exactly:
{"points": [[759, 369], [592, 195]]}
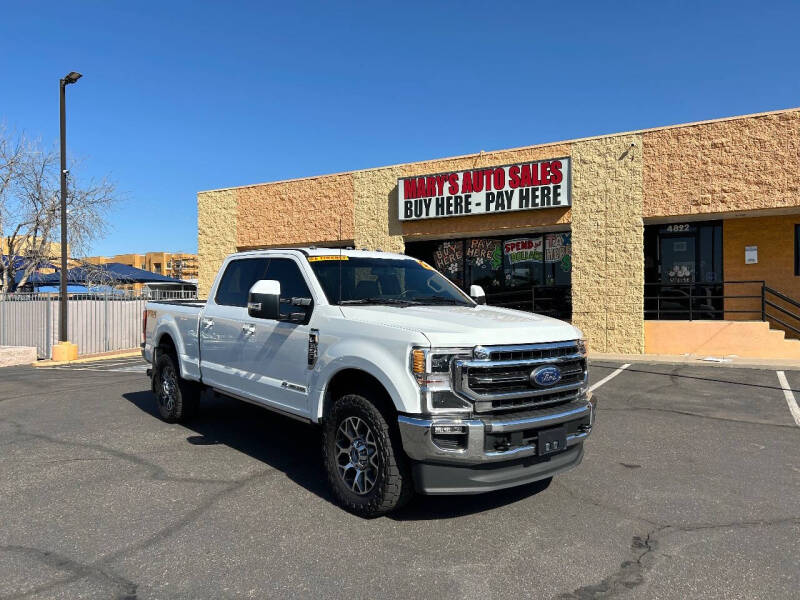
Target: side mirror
{"points": [[264, 299], [476, 293]]}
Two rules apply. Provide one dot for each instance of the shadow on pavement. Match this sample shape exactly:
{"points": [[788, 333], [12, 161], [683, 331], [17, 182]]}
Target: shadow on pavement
{"points": [[294, 448]]}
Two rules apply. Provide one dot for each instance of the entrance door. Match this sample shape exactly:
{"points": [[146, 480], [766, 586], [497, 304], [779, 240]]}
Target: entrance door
{"points": [[683, 271]]}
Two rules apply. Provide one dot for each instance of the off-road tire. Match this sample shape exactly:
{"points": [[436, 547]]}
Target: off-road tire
{"points": [[393, 486], [181, 403]]}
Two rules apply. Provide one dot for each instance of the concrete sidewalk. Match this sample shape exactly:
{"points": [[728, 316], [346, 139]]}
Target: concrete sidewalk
{"points": [[698, 360]]}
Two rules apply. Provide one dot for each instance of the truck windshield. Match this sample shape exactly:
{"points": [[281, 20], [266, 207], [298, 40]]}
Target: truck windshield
{"points": [[391, 281]]}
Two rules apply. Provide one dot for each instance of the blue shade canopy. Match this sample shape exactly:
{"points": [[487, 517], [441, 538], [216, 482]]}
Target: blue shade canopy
{"points": [[117, 271], [71, 289]]}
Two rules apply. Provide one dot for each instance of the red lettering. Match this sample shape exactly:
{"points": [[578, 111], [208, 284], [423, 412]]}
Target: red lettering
{"points": [[409, 189], [525, 180], [440, 181], [477, 181], [453, 187], [466, 183], [499, 178], [545, 173], [555, 172], [487, 178], [430, 188], [535, 178], [513, 177]]}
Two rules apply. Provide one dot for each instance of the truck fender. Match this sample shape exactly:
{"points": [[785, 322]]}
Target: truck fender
{"points": [[399, 384], [166, 325]]}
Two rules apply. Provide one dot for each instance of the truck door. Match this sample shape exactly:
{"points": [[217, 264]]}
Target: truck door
{"points": [[224, 326], [277, 353]]}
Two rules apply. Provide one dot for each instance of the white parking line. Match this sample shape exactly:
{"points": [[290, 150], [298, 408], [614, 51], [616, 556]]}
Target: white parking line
{"points": [[609, 377], [787, 392]]}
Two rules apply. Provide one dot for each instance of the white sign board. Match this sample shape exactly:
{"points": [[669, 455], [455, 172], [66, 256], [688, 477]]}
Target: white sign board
{"points": [[750, 255], [486, 190]]}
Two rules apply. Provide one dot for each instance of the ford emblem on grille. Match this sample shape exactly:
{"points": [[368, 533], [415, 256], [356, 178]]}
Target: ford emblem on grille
{"points": [[546, 375], [480, 353]]}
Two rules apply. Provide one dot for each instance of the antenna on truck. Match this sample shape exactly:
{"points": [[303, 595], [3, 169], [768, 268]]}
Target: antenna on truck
{"points": [[340, 260]]}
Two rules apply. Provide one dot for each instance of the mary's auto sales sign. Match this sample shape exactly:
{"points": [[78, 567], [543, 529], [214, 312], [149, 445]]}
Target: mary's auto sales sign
{"points": [[521, 186]]}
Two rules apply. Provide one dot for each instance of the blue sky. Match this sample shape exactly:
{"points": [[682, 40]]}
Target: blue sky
{"points": [[179, 97]]}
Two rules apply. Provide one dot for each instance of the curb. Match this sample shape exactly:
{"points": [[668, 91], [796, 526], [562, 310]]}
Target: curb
{"points": [[730, 362], [84, 359]]}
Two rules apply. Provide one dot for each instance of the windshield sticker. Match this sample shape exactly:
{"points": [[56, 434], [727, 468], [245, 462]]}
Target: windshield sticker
{"points": [[337, 257], [425, 265]]}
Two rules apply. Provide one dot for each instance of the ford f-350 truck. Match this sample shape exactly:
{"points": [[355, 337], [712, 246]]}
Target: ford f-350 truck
{"points": [[415, 384]]}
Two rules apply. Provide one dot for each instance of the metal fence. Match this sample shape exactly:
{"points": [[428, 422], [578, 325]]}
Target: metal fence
{"points": [[97, 322]]}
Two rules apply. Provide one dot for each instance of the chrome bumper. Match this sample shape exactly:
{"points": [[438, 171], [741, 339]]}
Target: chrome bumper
{"points": [[418, 442]]}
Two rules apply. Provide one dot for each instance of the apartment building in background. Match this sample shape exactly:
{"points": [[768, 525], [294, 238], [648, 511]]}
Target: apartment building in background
{"points": [[179, 265]]}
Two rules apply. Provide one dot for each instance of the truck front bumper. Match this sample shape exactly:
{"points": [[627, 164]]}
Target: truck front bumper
{"points": [[486, 453]]}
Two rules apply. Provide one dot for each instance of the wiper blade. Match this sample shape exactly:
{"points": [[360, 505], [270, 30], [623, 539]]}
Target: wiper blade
{"points": [[390, 301], [438, 300]]}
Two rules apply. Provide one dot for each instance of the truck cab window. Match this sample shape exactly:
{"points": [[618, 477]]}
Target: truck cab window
{"points": [[239, 277], [293, 284]]}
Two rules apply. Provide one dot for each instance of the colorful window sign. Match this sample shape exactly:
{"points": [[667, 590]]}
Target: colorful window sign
{"points": [[485, 252], [521, 250], [449, 256], [558, 249]]}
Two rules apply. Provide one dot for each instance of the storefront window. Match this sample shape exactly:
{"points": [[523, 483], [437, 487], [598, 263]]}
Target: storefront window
{"points": [[525, 272]]}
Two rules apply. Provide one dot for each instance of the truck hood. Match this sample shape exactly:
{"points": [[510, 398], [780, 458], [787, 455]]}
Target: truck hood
{"points": [[467, 326]]}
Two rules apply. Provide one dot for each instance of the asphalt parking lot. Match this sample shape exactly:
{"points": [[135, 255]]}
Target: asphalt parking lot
{"points": [[690, 489]]}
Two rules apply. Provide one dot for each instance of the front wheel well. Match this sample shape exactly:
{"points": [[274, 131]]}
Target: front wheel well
{"points": [[356, 381]]}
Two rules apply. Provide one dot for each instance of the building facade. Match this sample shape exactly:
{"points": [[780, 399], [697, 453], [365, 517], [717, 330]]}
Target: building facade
{"points": [[179, 265], [628, 235]]}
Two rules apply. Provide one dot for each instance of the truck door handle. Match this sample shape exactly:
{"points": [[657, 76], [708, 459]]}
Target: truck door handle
{"points": [[207, 323], [248, 329]]}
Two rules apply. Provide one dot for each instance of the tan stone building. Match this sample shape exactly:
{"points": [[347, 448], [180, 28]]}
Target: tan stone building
{"points": [[179, 265], [643, 239]]}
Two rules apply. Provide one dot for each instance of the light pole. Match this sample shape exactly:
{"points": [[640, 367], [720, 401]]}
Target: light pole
{"points": [[71, 77]]}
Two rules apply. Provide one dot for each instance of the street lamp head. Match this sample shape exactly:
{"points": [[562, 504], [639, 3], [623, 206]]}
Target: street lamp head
{"points": [[72, 77]]}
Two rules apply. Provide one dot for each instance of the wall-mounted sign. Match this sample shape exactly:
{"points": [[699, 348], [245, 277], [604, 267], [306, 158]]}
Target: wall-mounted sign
{"points": [[751, 255], [489, 190]]}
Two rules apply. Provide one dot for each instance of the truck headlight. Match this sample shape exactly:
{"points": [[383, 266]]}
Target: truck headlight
{"points": [[431, 369]]}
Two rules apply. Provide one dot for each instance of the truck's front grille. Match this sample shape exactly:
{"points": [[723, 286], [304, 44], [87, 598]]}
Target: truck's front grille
{"points": [[506, 380], [488, 380]]}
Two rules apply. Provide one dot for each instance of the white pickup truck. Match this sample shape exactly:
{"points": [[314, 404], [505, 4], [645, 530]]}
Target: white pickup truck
{"points": [[416, 385]]}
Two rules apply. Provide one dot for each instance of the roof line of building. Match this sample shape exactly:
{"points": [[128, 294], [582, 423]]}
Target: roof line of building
{"points": [[517, 149]]}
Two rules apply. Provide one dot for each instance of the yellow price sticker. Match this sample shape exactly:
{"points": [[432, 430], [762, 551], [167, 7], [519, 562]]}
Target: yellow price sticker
{"points": [[317, 258]]}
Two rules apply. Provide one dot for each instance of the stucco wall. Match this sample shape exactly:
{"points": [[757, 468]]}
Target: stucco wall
{"points": [[607, 243], [723, 166], [216, 234], [375, 213], [303, 211]]}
